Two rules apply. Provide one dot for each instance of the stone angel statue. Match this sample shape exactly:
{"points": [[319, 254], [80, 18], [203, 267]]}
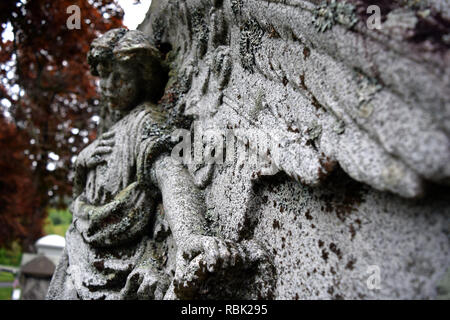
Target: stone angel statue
{"points": [[111, 248]]}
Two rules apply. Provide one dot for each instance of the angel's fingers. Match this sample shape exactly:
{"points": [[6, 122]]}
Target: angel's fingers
{"points": [[224, 254], [181, 270], [158, 293], [100, 150], [235, 255], [93, 162], [106, 143], [147, 288], [211, 254], [133, 282], [107, 135], [183, 260], [191, 249]]}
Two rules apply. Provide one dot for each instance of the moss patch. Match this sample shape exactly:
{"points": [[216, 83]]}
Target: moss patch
{"points": [[327, 14]]}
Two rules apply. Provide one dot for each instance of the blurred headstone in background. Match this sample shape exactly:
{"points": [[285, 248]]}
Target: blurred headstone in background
{"points": [[36, 270], [51, 246]]}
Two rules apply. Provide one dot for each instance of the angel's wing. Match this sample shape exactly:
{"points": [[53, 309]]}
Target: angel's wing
{"points": [[321, 86]]}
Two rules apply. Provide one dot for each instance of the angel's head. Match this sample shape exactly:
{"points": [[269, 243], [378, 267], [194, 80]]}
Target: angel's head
{"points": [[129, 67]]}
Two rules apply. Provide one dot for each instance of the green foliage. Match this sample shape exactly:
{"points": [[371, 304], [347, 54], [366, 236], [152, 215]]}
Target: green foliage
{"points": [[11, 257], [60, 217], [57, 222]]}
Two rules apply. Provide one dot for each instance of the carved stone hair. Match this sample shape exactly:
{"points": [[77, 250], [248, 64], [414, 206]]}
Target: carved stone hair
{"points": [[131, 46]]}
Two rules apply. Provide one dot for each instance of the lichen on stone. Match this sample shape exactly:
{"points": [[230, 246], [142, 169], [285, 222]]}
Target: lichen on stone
{"points": [[327, 14], [314, 131], [251, 35], [367, 88], [339, 128], [415, 4], [236, 6], [201, 31]]}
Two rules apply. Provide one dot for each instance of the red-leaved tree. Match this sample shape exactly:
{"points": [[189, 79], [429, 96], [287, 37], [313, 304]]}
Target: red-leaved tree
{"points": [[18, 197], [50, 97]]}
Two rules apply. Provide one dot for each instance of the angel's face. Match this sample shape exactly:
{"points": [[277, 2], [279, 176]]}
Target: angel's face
{"points": [[118, 85]]}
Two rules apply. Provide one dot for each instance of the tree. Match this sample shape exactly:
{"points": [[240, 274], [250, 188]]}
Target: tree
{"points": [[18, 196], [47, 90]]}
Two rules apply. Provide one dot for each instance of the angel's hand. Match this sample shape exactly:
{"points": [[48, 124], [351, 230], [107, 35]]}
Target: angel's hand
{"points": [[104, 147], [90, 217], [205, 257], [200, 257], [217, 253], [144, 283]]}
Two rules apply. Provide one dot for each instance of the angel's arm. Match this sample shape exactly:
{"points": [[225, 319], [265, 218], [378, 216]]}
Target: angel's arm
{"points": [[182, 201]]}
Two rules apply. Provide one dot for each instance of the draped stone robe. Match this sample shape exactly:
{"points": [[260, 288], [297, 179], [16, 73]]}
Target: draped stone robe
{"points": [[112, 214]]}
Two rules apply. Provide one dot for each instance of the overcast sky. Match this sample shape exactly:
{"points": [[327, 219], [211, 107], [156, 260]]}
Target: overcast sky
{"points": [[134, 13]]}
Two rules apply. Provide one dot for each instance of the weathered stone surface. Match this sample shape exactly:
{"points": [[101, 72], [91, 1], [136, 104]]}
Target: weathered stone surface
{"points": [[335, 162], [336, 105], [139, 229]]}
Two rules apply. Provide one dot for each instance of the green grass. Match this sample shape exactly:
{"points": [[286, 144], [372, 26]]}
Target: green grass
{"points": [[5, 293], [6, 277]]}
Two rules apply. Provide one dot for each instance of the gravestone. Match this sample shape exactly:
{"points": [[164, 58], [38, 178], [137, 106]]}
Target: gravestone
{"points": [[35, 278], [266, 149]]}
